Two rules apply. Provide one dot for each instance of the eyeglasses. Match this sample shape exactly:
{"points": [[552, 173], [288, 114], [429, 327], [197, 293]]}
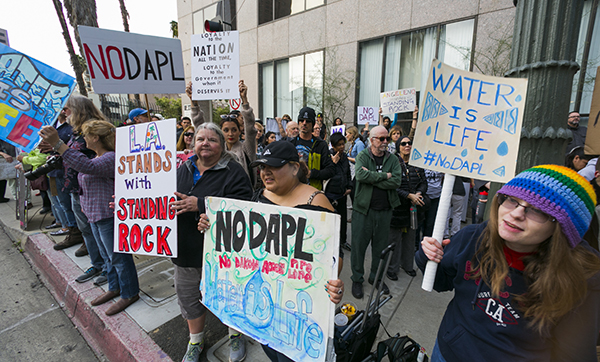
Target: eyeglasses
{"points": [[409, 143], [382, 138], [188, 134], [530, 212]]}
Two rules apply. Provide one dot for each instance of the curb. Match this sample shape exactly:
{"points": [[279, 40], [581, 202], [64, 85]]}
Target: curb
{"points": [[118, 337]]}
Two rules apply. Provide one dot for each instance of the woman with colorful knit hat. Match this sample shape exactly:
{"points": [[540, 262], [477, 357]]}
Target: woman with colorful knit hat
{"points": [[526, 287]]}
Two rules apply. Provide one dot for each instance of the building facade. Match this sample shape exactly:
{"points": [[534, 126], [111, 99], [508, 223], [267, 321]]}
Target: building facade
{"points": [[335, 55]]}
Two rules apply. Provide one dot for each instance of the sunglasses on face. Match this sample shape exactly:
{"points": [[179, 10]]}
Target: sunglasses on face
{"points": [[383, 139], [188, 134], [530, 212], [408, 143]]}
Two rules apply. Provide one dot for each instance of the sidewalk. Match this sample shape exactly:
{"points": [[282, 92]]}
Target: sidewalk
{"points": [[152, 328]]}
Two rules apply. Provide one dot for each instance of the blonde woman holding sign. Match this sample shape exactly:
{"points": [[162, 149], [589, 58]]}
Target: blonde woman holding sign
{"points": [[527, 288]]}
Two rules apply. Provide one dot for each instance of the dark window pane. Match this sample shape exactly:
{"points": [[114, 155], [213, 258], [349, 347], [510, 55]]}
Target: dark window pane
{"points": [[265, 11], [283, 8]]}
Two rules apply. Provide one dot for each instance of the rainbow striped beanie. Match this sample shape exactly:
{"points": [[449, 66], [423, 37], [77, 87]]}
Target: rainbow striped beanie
{"points": [[559, 192]]}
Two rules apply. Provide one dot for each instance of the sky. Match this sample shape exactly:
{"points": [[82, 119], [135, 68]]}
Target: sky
{"points": [[38, 33]]}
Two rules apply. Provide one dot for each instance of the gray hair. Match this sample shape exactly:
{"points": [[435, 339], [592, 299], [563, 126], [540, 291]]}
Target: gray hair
{"points": [[216, 129]]}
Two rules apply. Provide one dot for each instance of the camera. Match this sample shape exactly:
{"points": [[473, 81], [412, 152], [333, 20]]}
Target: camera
{"points": [[52, 163]]}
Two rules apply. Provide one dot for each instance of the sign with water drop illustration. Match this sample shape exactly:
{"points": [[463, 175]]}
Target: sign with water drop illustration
{"points": [[469, 124], [264, 273]]}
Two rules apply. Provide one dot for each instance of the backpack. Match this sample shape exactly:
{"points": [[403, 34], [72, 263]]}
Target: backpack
{"points": [[401, 349]]}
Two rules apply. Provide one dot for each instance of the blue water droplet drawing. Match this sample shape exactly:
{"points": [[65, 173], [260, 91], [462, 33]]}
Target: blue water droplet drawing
{"points": [[428, 132], [481, 157], [464, 153], [439, 65], [502, 149], [518, 98]]}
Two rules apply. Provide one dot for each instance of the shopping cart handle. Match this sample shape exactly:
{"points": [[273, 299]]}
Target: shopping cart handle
{"points": [[387, 250]]}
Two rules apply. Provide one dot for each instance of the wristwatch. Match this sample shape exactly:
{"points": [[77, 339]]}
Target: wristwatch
{"points": [[58, 145]]}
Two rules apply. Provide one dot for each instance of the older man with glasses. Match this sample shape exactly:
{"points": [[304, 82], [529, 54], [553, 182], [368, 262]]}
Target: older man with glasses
{"points": [[378, 174]]}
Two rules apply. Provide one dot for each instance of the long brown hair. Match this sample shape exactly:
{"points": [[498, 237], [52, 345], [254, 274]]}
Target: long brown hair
{"points": [[181, 146], [556, 275], [82, 110]]}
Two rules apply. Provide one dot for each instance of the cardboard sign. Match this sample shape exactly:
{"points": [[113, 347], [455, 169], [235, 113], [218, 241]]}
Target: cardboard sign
{"points": [[403, 100], [145, 183], [215, 65], [121, 62], [264, 273], [592, 138], [32, 95], [182, 157], [470, 124], [368, 115]]}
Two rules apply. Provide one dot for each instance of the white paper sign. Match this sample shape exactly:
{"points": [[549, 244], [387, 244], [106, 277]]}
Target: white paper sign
{"points": [[368, 115], [121, 62], [264, 271], [272, 126], [145, 183], [470, 124], [339, 129], [402, 100], [215, 65]]}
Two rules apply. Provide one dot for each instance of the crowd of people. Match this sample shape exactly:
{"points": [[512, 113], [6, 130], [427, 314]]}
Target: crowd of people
{"points": [[533, 261]]}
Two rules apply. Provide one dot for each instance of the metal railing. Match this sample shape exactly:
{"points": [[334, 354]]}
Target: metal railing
{"points": [[117, 109]]}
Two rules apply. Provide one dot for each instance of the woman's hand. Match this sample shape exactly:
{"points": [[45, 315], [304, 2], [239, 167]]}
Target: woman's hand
{"points": [[50, 135], [243, 92], [416, 199], [336, 158], [203, 223], [7, 157], [186, 204], [432, 249], [335, 290]]}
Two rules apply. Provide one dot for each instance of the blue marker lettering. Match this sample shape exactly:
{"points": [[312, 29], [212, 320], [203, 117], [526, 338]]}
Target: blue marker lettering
{"points": [[440, 81], [456, 109], [449, 143], [479, 138], [500, 94], [462, 142], [471, 116], [435, 134], [470, 86], [482, 92], [457, 85]]}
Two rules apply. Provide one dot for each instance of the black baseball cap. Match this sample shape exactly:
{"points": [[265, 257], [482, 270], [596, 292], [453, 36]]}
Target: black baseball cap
{"points": [[307, 113], [277, 154]]}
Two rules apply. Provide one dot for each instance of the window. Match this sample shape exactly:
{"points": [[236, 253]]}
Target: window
{"points": [[269, 10], [403, 60], [287, 85], [583, 81], [223, 10]]}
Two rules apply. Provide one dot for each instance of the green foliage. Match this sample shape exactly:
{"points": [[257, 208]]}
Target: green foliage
{"points": [[174, 28], [170, 107], [219, 108]]}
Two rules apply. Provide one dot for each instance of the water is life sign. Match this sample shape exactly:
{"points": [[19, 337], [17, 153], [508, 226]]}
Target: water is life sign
{"points": [[469, 124]]}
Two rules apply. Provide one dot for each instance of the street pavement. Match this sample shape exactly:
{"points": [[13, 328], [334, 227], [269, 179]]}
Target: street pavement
{"points": [[154, 328], [33, 327]]}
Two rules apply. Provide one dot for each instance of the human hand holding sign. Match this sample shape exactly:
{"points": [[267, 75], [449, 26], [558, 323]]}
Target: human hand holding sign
{"points": [[185, 204], [432, 248], [243, 92]]}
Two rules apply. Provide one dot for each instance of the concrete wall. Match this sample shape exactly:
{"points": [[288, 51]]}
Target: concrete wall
{"points": [[340, 25]]}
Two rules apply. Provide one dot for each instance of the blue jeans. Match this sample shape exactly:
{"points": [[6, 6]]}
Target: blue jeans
{"points": [[120, 268], [84, 226], [436, 355], [64, 198]]}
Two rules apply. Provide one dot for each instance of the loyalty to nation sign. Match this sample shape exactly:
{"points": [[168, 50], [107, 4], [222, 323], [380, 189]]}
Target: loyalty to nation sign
{"points": [[32, 95], [120, 62], [264, 272], [145, 183], [470, 124]]}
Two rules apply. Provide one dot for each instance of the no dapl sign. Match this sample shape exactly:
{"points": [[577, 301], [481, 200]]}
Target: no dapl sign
{"points": [[235, 104]]}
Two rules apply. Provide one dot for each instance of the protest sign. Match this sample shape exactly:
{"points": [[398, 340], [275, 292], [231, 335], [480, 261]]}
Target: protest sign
{"points": [[403, 100], [272, 126], [145, 183], [470, 124], [183, 156], [122, 62], [215, 65], [264, 272], [368, 115], [339, 129], [7, 170], [32, 95], [235, 104], [592, 138]]}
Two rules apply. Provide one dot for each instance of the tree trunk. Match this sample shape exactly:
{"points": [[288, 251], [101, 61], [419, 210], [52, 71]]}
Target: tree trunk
{"points": [[74, 60], [124, 15], [81, 12]]}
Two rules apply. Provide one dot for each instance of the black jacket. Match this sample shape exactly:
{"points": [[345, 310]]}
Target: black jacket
{"points": [[226, 179], [341, 180], [320, 164], [413, 180]]}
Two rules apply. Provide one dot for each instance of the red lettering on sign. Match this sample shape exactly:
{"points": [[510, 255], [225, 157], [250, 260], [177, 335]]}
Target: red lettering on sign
{"points": [[22, 129]]}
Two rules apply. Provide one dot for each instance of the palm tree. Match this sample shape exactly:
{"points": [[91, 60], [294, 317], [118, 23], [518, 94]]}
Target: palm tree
{"points": [[75, 61], [81, 12], [124, 15]]}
